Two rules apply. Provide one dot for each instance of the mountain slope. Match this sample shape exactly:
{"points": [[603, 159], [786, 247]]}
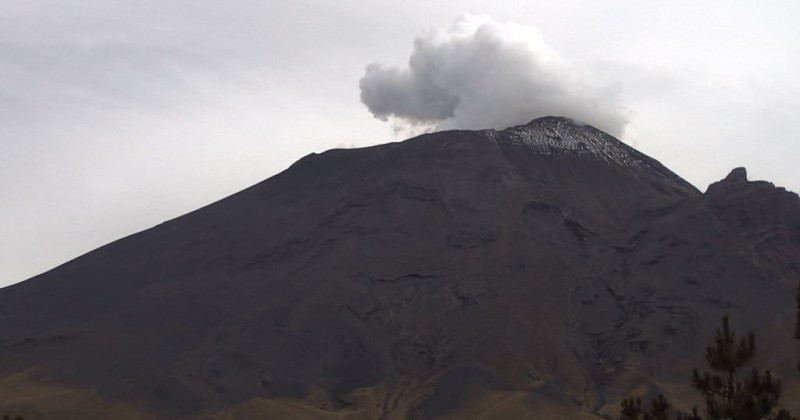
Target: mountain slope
{"points": [[547, 268]]}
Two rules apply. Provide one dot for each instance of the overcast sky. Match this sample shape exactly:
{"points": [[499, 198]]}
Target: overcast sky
{"points": [[118, 115]]}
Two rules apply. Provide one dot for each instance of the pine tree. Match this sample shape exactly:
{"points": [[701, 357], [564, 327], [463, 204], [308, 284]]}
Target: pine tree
{"points": [[727, 398], [755, 397], [797, 320], [659, 410], [632, 409]]}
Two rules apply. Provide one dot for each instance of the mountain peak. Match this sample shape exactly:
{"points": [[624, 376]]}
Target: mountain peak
{"points": [[560, 135], [438, 274], [737, 175], [552, 134]]}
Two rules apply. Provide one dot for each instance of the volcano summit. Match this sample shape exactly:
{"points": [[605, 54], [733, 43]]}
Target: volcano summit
{"points": [[543, 271]]}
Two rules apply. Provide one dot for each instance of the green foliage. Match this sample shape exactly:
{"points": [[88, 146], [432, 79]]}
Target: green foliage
{"points": [[727, 398], [632, 409], [659, 410], [797, 320]]}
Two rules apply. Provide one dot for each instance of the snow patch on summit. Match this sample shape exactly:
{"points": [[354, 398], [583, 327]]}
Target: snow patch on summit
{"points": [[559, 135]]}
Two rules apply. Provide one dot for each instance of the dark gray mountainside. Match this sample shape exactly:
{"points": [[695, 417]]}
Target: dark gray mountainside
{"points": [[543, 271]]}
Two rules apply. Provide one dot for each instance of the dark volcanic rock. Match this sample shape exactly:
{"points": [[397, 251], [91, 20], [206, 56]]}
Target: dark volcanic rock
{"points": [[767, 216], [744, 204], [547, 265]]}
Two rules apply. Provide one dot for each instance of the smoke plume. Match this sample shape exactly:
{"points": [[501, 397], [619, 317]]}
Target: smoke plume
{"points": [[483, 74]]}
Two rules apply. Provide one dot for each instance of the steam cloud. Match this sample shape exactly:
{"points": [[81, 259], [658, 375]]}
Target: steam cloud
{"points": [[483, 74]]}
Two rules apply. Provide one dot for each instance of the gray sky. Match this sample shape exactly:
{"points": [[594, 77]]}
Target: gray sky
{"points": [[118, 115]]}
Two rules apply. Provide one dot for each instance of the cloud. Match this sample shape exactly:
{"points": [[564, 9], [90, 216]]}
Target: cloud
{"points": [[483, 74]]}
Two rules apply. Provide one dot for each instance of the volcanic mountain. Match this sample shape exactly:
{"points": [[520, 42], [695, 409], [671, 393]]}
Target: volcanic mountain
{"points": [[542, 271]]}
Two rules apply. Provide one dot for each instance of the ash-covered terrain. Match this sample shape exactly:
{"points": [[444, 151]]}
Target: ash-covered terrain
{"points": [[543, 271]]}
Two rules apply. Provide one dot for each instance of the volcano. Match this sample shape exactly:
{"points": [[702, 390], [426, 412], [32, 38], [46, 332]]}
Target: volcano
{"points": [[542, 271]]}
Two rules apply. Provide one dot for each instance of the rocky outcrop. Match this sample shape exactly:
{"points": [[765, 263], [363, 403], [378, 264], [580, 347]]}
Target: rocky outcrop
{"points": [[766, 216]]}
